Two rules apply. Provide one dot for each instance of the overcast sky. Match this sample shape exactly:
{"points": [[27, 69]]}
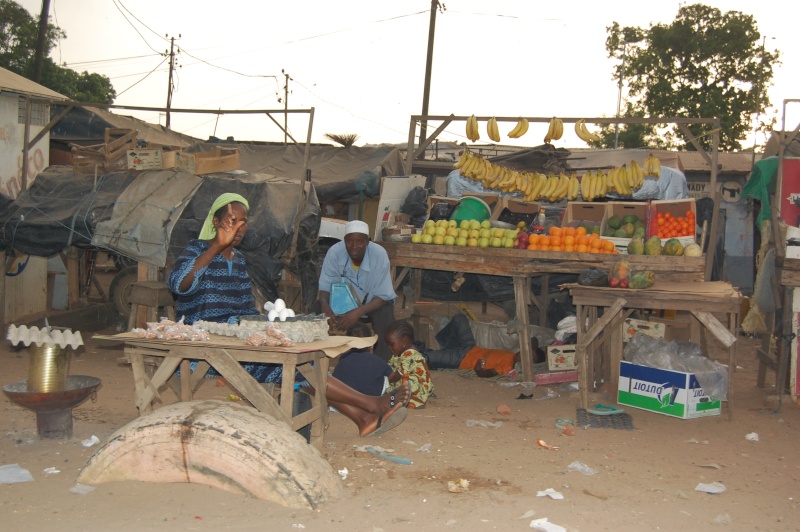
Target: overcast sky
{"points": [[361, 63]]}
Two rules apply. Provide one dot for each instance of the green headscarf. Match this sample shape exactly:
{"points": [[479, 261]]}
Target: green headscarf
{"points": [[209, 231]]}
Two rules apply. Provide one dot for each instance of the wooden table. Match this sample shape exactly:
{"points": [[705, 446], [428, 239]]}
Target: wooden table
{"points": [[226, 355], [521, 265], [603, 310]]}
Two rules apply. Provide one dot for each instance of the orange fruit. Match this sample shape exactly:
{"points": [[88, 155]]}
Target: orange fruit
{"points": [[580, 231], [555, 241], [544, 241], [555, 248], [569, 231], [608, 245], [595, 243], [533, 239], [569, 240], [581, 248], [615, 252], [554, 231], [569, 249], [582, 240]]}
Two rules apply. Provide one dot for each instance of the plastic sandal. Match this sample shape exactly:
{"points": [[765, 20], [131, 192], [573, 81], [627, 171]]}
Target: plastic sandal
{"points": [[604, 410]]}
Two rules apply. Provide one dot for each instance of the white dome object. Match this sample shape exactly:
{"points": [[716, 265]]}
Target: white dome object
{"points": [[290, 312], [279, 305], [282, 314], [272, 314], [269, 305]]}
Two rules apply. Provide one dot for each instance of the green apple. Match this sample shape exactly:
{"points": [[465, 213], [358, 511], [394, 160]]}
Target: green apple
{"points": [[452, 223], [455, 233], [438, 239], [508, 242], [443, 223], [441, 231], [450, 240], [427, 238], [429, 223], [431, 231], [496, 242], [486, 224], [416, 238], [463, 232], [464, 224], [473, 242], [498, 233], [461, 241], [483, 242], [474, 233], [510, 233], [485, 233], [474, 224]]}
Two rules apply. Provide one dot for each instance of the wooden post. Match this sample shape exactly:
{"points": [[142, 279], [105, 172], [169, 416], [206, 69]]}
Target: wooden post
{"points": [[73, 278], [522, 290]]}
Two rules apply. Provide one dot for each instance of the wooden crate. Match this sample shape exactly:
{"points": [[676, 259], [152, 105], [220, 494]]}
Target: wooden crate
{"points": [[208, 162], [106, 157]]}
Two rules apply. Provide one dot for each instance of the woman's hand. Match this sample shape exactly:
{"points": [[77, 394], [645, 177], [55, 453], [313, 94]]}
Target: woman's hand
{"points": [[227, 229]]}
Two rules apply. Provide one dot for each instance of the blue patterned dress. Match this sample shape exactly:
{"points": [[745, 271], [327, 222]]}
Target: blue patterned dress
{"points": [[221, 292]]}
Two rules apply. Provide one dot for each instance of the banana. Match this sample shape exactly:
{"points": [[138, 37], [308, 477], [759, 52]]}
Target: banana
{"points": [[603, 185], [561, 190], [550, 130], [514, 133], [541, 180], [492, 130], [579, 131], [586, 186], [573, 188], [598, 186], [524, 128], [550, 186], [463, 159], [472, 129], [559, 128], [652, 167], [613, 183], [638, 174], [585, 134]]}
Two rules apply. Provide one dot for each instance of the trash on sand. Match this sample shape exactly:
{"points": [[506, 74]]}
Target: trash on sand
{"points": [[566, 430], [13, 473], [503, 409], [484, 423], [722, 519], [711, 465], [51, 471], [343, 473], [425, 448], [385, 456], [366, 448], [527, 515], [550, 492], [523, 396], [713, 488], [541, 443], [81, 489], [460, 485], [94, 440], [753, 436], [298, 526], [550, 394], [581, 468], [694, 440], [543, 525]]}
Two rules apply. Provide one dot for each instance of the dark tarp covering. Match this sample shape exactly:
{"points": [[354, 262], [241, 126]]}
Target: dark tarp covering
{"points": [[338, 173], [62, 209]]}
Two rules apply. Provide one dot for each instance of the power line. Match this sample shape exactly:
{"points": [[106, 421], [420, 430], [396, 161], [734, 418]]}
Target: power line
{"points": [[144, 78], [97, 61], [139, 21], [135, 29], [228, 69]]}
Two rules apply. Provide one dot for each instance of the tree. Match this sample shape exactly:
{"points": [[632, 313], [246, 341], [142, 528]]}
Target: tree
{"points": [[706, 64], [18, 33]]}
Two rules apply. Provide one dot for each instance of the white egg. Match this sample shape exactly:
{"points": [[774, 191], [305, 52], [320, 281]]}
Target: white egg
{"points": [[290, 312], [269, 305], [279, 305], [282, 314], [272, 314]]}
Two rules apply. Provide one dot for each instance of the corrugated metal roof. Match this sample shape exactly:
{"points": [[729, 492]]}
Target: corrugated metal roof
{"points": [[685, 161], [11, 82]]}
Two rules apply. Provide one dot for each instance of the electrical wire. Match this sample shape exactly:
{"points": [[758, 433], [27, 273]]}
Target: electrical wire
{"points": [[140, 22], [144, 78], [136, 29], [98, 61], [183, 50], [58, 34]]}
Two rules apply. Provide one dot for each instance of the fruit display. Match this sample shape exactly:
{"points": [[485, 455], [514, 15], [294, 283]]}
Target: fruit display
{"points": [[673, 248], [669, 226], [693, 250], [554, 130], [619, 273], [643, 279], [628, 226], [492, 130], [583, 133], [472, 129], [652, 167], [652, 246]]}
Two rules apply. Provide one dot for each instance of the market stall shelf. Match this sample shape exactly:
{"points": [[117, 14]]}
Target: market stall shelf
{"points": [[601, 312], [225, 355], [521, 265]]}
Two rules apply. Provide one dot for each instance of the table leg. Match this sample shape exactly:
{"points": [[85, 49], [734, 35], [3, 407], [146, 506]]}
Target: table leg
{"points": [[186, 384], [544, 297], [140, 381], [317, 376], [287, 390], [144, 399], [582, 354], [522, 287]]}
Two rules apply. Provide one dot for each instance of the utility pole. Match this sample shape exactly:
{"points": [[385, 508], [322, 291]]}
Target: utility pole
{"points": [[171, 68], [285, 108], [426, 94], [38, 60], [758, 102]]}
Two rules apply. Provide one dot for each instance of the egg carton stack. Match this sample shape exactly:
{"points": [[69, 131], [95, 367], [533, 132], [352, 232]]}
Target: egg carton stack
{"points": [[228, 329]]}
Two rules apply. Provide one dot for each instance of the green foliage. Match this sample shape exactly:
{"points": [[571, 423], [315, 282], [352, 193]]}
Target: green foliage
{"points": [[18, 34], [705, 64]]}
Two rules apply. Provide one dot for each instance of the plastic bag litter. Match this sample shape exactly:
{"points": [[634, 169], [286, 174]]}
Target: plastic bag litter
{"points": [[543, 525], [484, 423], [712, 488], [13, 473], [581, 468]]}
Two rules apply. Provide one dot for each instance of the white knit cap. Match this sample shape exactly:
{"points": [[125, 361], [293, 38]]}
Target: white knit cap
{"points": [[356, 226]]}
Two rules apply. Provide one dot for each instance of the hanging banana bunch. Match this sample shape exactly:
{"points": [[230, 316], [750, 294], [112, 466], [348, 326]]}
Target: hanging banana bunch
{"points": [[472, 129], [554, 130], [583, 133], [637, 175], [652, 167], [492, 130], [574, 188], [520, 129]]}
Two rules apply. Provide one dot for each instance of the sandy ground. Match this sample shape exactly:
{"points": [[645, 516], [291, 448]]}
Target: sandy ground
{"points": [[645, 481]]}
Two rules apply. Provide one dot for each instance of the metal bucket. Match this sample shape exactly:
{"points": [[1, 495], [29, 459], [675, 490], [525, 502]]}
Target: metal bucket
{"points": [[48, 367]]}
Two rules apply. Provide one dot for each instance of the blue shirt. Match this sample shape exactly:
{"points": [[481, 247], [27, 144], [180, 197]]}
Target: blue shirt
{"points": [[221, 290], [371, 280]]}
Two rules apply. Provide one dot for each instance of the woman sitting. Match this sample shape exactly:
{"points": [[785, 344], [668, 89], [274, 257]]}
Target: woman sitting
{"points": [[211, 283]]}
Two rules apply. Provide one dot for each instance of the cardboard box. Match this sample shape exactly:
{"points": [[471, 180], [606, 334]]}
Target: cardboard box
{"points": [[208, 162], [561, 357], [394, 191], [584, 212], [434, 200], [144, 159], [672, 393], [622, 209], [653, 329], [168, 159], [676, 208], [513, 211]]}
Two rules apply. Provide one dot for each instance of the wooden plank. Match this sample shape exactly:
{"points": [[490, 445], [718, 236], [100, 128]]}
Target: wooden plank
{"points": [[522, 287], [716, 328], [789, 277], [612, 311]]}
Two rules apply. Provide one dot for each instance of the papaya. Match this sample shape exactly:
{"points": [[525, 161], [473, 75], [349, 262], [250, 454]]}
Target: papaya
{"points": [[620, 233], [652, 246], [673, 248], [638, 224], [692, 250], [643, 279], [636, 246], [630, 219], [629, 229], [615, 222], [638, 233]]}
